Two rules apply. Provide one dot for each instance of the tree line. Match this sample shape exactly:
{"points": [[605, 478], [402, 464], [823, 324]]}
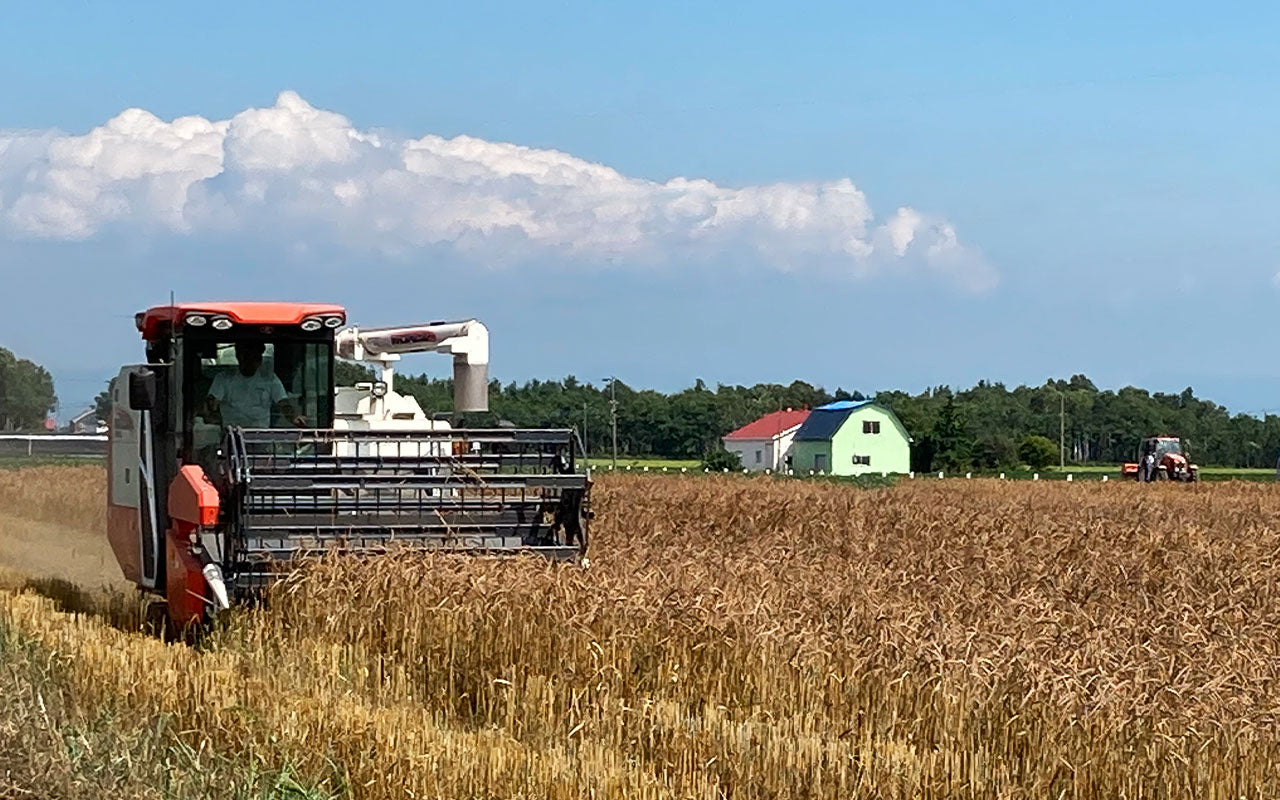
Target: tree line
{"points": [[26, 393], [987, 426]]}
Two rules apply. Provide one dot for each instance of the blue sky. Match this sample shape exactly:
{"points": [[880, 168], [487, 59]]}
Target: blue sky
{"points": [[1109, 175]]}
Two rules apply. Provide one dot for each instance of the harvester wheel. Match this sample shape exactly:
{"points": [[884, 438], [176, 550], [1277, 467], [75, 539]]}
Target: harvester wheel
{"points": [[156, 620]]}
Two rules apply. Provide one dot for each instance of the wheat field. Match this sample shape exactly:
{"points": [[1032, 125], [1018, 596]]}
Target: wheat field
{"points": [[733, 637]]}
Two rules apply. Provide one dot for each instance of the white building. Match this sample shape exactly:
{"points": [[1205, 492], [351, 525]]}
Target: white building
{"points": [[766, 443]]}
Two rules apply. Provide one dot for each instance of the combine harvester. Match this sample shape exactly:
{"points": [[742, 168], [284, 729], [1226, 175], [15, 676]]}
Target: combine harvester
{"points": [[232, 454]]}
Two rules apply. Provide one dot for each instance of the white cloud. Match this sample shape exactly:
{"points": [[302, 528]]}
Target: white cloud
{"points": [[295, 172]]}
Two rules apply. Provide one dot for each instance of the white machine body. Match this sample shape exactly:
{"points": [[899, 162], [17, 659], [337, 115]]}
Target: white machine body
{"points": [[377, 406]]}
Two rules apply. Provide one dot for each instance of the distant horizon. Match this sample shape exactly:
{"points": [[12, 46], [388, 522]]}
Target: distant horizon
{"points": [[65, 411]]}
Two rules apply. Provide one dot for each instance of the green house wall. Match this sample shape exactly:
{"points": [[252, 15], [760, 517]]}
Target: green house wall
{"points": [[889, 450]]}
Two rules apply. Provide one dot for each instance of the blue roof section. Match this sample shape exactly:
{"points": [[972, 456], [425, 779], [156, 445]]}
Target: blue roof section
{"points": [[843, 405], [823, 423]]}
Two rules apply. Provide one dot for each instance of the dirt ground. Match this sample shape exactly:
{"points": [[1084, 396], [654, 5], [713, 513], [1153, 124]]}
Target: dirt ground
{"points": [[30, 549]]}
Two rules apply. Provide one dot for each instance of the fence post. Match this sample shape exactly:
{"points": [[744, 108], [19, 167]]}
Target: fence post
{"points": [[1035, 476]]}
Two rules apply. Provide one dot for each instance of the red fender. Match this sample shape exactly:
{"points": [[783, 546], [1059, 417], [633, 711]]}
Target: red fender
{"points": [[185, 588], [192, 498], [193, 503]]}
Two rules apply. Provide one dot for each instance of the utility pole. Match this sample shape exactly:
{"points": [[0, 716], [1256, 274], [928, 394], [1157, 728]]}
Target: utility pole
{"points": [[613, 414], [586, 451]]}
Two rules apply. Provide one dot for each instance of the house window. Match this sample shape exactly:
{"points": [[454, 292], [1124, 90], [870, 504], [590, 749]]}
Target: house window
{"points": [[865, 460], [757, 456], [820, 461], [871, 426]]}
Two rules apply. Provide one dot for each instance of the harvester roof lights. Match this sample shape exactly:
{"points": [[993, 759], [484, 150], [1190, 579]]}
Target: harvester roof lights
{"points": [[222, 323], [312, 324], [334, 321], [378, 389], [197, 320]]}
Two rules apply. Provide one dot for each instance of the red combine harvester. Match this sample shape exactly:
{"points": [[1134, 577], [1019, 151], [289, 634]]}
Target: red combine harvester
{"points": [[1161, 458], [225, 463]]}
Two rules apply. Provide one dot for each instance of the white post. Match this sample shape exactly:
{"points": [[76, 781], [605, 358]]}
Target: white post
{"points": [[1104, 478], [939, 473], [1068, 477], [968, 475], [1001, 476], [1035, 476], [912, 475]]}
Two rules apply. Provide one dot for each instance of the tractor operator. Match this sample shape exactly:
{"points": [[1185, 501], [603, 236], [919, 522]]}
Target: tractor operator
{"points": [[244, 398]]}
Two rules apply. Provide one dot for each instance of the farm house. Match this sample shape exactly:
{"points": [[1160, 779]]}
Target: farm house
{"points": [[851, 437], [766, 443]]}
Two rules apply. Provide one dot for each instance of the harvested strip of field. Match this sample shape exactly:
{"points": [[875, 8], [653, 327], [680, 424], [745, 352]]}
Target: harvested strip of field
{"points": [[749, 638]]}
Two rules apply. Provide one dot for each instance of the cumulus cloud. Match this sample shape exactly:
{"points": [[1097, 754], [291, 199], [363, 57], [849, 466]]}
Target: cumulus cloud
{"points": [[310, 176]]}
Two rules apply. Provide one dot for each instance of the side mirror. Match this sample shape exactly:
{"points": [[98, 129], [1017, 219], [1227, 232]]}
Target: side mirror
{"points": [[142, 390]]}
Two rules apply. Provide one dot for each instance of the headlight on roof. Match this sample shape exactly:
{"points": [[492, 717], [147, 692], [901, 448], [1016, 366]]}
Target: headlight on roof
{"points": [[312, 324], [334, 321], [197, 320], [221, 323]]}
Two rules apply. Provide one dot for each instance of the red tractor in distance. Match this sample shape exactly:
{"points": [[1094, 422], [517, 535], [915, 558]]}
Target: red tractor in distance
{"points": [[1161, 458]]}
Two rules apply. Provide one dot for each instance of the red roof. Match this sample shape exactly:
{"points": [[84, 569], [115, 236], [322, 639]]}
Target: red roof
{"points": [[771, 425], [153, 320]]}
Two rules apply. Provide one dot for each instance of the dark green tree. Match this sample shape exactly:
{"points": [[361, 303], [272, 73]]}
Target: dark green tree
{"points": [[102, 403], [1037, 451], [720, 459], [953, 446], [26, 393]]}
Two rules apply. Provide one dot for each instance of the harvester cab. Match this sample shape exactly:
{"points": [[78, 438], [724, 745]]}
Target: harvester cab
{"points": [[232, 455], [1161, 458]]}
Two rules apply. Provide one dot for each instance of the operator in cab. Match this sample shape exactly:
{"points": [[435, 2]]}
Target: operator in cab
{"points": [[245, 398]]}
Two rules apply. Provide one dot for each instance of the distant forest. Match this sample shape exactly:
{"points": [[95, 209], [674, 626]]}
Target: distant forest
{"points": [[986, 426]]}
